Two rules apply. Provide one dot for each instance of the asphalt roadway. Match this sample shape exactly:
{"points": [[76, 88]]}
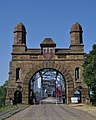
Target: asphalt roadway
{"points": [[51, 112]]}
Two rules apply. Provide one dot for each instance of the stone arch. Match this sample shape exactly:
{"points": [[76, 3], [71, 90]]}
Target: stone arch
{"points": [[64, 70]]}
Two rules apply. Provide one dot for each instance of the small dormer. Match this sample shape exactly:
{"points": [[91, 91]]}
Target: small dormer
{"points": [[48, 47]]}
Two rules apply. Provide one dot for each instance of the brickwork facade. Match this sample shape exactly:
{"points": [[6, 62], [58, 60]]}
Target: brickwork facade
{"points": [[29, 61]]}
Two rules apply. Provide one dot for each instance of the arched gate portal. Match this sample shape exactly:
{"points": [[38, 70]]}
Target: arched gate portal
{"points": [[37, 73], [47, 83]]}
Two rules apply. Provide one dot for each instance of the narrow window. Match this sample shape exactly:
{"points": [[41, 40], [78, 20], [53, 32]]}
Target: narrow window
{"points": [[44, 50], [47, 50], [51, 50], [77, 73], [18, 72]]}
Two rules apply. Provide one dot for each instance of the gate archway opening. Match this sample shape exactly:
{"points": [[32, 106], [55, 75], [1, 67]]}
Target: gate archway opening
{"points": [[48, 85], [17, 97], [77, 93]]}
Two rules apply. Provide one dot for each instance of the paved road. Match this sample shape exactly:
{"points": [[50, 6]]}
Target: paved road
{"points": [[51, 112]]}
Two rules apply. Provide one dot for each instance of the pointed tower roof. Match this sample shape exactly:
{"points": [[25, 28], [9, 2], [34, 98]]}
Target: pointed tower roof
{"points": [[76, 27], [20, 28], [48, 42]]}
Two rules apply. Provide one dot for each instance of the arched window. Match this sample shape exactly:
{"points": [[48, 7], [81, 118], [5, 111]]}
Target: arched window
{"points": [[18, 72], [77, 73]]}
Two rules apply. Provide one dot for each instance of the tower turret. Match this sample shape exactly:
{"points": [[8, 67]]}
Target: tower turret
{"points": [[19, 34], [76, 36], [19, 38]]}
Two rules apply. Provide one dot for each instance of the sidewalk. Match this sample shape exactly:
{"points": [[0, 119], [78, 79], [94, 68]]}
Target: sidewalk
{"points": [[84, 107], [19, 107]]}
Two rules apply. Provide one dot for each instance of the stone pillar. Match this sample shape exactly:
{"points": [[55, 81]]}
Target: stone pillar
{"points": [[25, 95]]}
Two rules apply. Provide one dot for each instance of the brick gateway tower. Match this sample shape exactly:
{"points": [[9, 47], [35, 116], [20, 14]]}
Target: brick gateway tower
{"points": [[26, 62]]}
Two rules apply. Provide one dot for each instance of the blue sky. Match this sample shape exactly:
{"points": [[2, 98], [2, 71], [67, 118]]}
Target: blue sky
{"points": [[44, 18]]}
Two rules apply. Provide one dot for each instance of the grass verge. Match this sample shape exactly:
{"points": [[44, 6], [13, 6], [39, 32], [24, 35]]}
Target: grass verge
{"points": [[6, 108]]}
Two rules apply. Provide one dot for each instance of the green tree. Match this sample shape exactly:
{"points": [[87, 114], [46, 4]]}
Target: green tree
{"points": [[89, 72], [3, 89]]}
